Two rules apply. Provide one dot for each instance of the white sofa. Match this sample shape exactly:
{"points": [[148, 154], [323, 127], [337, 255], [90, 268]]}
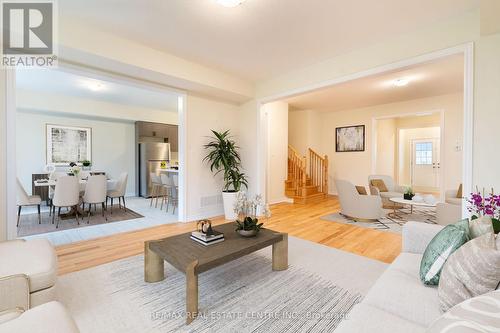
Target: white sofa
{"points": [[393, 189], [50, 317], [28, 272], [399, 301], [356, 206]]}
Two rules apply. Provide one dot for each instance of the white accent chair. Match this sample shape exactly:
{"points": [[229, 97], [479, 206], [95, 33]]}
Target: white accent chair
{"points": [[47, 318], [450, 211], [119, 192], [450, 196], [393, 189], [95, 193], [67, 194], [23, 200], [356, 206], [28, 272]]}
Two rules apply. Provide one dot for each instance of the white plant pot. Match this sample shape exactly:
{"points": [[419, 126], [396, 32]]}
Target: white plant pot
{"points": [[229, 199]]}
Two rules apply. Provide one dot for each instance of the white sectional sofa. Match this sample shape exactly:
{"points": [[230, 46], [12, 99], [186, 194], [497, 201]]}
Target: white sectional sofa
{"points": [[399, 301]]}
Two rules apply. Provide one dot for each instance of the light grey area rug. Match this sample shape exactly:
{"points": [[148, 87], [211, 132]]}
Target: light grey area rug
{"points": [[241, 296], [388, 223], [29, 225]]}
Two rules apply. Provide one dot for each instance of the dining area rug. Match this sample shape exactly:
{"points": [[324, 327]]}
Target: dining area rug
{"points": [[28, 224]]}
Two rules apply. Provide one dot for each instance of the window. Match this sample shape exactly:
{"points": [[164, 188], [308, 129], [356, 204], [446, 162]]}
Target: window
{"points": [[423, 153]]}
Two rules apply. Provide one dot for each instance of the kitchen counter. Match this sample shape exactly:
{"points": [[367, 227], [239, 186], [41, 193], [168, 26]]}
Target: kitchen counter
{"points": [[169, 171]]}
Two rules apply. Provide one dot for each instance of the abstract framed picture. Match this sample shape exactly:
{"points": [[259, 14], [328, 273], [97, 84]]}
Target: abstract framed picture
{"points": [[350, 138], [66, 144]]}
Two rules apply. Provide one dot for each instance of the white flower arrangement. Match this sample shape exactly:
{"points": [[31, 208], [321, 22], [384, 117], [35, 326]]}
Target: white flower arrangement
{"points": [[247, 207], [75, 170]]}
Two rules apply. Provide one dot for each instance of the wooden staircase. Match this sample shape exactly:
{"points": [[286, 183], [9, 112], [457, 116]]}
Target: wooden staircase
{"points": [[307, 176]]}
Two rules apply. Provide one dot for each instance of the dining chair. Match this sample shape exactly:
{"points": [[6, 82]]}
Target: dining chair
{"points": [[119, 192], [95, 193], [66, 194], [23, 200], [156, 188], [53, 177]]}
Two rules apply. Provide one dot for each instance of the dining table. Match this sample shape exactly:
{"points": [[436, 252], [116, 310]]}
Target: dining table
{"points": [[111, 185]]}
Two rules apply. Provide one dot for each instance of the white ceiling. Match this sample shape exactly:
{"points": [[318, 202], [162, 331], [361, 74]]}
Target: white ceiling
{"points": [[260, 38], [65, 83], [431, 79]]}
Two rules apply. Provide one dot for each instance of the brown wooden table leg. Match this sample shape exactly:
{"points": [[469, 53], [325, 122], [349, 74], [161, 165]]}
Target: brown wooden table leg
{"points": [[191, 292], [280, 254], [153, 265]]}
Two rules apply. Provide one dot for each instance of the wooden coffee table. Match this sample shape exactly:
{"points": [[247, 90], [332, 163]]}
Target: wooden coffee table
{"points": [[192, 258]]}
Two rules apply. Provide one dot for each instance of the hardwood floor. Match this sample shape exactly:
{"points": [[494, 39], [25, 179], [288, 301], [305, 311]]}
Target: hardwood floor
{"points": [[299, 220]]}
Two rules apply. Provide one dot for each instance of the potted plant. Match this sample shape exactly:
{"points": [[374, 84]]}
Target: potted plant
{"points": [[408, 195], [223, 157], [86, 164], [481, 204], [247, 224]]}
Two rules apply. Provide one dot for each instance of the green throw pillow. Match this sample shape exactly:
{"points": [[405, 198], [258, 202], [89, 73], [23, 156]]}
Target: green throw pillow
{"points": [[447, 241]]}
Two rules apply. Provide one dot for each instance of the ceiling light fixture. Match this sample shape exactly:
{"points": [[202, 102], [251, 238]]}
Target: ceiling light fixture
{"points": [[230, 3], [400, 82], [93, 85]]}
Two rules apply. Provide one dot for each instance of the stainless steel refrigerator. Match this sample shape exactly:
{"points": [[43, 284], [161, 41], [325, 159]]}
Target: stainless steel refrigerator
{"points": [[151, 157]]}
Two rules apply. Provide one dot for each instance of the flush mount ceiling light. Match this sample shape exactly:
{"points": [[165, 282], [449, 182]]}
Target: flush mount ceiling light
{"points": [[94, 85], [230, 3], [400, 82]]}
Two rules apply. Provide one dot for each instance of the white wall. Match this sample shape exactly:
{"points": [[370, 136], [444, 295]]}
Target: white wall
{"points": [[204, 115], [356, 166], [3, 157], [277, 150], [113, 145], [303, 130], [386, 147]]}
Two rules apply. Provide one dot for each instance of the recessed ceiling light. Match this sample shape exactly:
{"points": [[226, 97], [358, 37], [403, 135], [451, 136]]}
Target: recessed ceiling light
{"points": [[230, 3], [400, 82]]}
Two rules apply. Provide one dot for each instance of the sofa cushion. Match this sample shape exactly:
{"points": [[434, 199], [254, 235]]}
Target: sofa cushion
{"points": [[35, 258], [480, 226], [447, 241], [379, 183], [368, 319], [478, 314], [400, 292], [472, 270], [47, 318]]}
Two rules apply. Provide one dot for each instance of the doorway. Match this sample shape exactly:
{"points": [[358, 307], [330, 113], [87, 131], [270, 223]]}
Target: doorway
{"points": [[425, 164]]}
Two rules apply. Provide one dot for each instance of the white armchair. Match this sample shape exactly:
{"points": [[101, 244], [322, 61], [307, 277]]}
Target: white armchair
{"points": [[356, 206], [28, 271], [450, 197], [393, 190]]}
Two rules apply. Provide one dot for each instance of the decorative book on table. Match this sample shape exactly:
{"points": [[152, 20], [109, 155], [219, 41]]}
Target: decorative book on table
{"points": [[205, 239]]}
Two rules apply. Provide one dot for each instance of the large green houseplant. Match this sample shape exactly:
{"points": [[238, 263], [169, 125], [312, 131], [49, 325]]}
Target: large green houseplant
{"points": [[223, 158]]}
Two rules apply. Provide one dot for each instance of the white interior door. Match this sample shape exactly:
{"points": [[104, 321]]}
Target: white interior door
{"points": [[425, 164]]}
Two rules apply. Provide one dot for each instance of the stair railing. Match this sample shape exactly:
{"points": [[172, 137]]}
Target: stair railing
{"points": [[296, 169], [318, 170]]}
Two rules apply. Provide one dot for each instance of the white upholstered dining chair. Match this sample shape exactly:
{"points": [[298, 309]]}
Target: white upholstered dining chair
{"points": [[95, 193], [53, 177], [119, 192], [23, 200], [67, 194]]}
